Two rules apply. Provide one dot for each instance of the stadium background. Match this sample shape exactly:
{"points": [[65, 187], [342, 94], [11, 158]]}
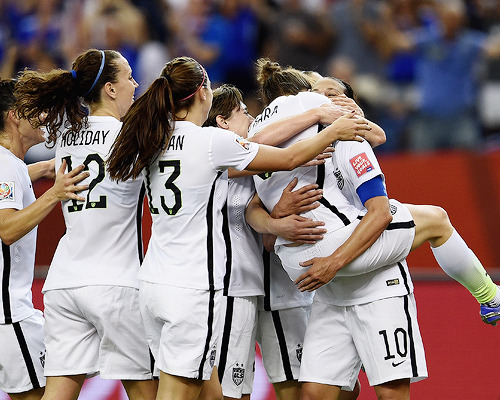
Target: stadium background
{"points": [[461, 351]]}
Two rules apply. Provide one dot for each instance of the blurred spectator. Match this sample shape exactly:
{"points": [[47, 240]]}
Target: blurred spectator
{"points": [[447, 55]]}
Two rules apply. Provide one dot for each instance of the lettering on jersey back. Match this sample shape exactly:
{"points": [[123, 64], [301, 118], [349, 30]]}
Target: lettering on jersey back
{"points": [[268, 112], [176, 142], [84, 138]]}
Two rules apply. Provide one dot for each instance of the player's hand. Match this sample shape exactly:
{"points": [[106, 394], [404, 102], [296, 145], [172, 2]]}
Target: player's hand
{"points": [[349, 127], [320, 158], [295, 228], [298, 201], [330, 112], [321, 271], [347, 105], [65, 186]]}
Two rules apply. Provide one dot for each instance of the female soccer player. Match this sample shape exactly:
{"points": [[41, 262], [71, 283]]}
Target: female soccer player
{"points": [[93, 323], [184, 166], [21, 325]]}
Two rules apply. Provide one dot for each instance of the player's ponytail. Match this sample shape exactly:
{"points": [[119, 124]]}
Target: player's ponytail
{"points": [[149, 122], [275, 81], [61, 95]]}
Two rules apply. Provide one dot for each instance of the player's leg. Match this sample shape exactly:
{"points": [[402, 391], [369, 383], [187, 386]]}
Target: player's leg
{"points": [[178, 387], [141, 390], [63, 387], [394, 390], [453, 255], [211, 389], [34, 394], [287, 390], [319, 391]]}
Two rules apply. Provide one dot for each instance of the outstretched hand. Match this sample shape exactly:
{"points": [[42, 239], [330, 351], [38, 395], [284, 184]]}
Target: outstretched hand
{"points": [[65, 186], [297, 202], [350, 127], [295, 228]]}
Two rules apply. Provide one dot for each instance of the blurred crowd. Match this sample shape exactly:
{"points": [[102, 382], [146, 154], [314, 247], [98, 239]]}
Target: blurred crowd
{"points": [[427, 71]]}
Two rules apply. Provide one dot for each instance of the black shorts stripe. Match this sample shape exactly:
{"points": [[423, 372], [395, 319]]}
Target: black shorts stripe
{"points": [[282, 345], [210, 320], [152, 363], [266, 257], [138, 222], [404, 276], [320, 181], [26, 355], [226, 334], [397, 225], [7, 314], [413, 358], [229, 251]]}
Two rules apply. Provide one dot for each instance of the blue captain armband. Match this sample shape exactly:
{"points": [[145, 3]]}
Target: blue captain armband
{"points": [[372, 188]]}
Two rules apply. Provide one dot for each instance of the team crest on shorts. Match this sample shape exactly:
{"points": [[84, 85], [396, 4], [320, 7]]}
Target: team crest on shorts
{"points": [[42, 358], [361, 164], [298, 352], [393, 209], [238, 374], [7, 191], [213, 354], [243, 142]]}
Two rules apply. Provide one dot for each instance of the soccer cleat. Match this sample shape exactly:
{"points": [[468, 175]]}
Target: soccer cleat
{"points": [[490, 315]]}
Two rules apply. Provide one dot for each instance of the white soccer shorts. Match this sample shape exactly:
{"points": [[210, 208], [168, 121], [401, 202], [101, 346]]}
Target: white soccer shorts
{"points": [[183, 328], [23, 355], [96, 329], [383, 336]]}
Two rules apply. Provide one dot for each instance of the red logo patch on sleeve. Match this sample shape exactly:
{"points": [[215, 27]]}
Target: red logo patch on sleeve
{"points": [[361, 164]]}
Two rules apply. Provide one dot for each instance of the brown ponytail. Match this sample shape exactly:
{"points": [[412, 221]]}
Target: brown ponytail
{"points": [[149, 122]]}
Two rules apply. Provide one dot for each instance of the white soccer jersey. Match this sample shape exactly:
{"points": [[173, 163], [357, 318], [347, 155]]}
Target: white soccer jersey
{"points": [[102, 244], [244, 274], [335, 210], [187, 188], [18, 259], [355, 163]]}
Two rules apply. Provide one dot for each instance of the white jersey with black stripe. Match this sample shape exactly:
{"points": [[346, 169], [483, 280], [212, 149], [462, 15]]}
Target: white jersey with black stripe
{"points": [[244, 274], [335, 209], [17, 260], [187, 188], [102, 244]]}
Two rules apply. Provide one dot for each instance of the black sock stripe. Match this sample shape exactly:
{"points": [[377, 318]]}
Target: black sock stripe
{"points": [[26, 355], [226, 334], [282, 345]]}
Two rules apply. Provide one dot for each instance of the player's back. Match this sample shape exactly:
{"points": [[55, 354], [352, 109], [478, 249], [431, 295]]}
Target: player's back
{"points": [[102, 243]]}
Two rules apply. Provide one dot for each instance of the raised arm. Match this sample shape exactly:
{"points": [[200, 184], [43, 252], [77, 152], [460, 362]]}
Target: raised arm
{"points": [[14, 224], [42, 169]]}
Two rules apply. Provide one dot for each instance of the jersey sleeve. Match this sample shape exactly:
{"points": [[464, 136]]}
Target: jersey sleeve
{"points": [[230, 150], [360, 163], [11, 191]]}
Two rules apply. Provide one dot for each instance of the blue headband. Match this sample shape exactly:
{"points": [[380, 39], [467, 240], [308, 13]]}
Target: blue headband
{"points": [[98, 74]]}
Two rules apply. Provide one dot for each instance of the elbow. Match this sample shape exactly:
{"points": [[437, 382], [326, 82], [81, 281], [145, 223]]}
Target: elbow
{"points": [[7, 238]]}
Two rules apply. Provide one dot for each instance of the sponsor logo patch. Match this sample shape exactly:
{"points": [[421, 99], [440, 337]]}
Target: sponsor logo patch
{"points": [[361, 164], [392, 282], [7, 191], [243, 142], [238, 375]]}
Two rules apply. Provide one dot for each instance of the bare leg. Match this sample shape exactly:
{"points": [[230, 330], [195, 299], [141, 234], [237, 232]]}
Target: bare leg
{"points": [[288, 390], [173, 387], [394, 390], [345, 395], [211, 389], [431, 225], [63, 387], [34, 394], [243, 397], [319, 391], [141, 390]]}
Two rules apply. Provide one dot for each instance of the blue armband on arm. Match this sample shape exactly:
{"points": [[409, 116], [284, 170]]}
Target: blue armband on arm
{"points": [[372, 188]]}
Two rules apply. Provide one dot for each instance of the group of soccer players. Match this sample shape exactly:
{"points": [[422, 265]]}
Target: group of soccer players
{"points": [[209, 286]]}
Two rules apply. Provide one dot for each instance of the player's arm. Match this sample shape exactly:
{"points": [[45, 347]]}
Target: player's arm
{"points": [[292, 227], [42, 169], [14, 224], [323, 269]]}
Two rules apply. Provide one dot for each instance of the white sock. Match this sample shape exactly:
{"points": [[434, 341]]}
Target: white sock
{"points": [[460, 262]]}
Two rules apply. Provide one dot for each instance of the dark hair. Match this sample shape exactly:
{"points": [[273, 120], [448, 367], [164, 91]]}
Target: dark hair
{"points": [[225, 99], [7, 99], [147, 125], [276, 81], [59, 93]]}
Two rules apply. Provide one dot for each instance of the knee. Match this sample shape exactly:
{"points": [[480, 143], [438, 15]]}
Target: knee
{"points": [[440, 219]]}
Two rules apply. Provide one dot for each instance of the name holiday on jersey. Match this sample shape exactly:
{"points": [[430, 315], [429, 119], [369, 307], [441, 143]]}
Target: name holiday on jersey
{"points": [[84, 138]]}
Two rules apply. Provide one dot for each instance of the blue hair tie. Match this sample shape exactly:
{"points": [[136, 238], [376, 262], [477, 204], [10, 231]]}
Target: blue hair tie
{"points": [[103, 60], [73, 74]]}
